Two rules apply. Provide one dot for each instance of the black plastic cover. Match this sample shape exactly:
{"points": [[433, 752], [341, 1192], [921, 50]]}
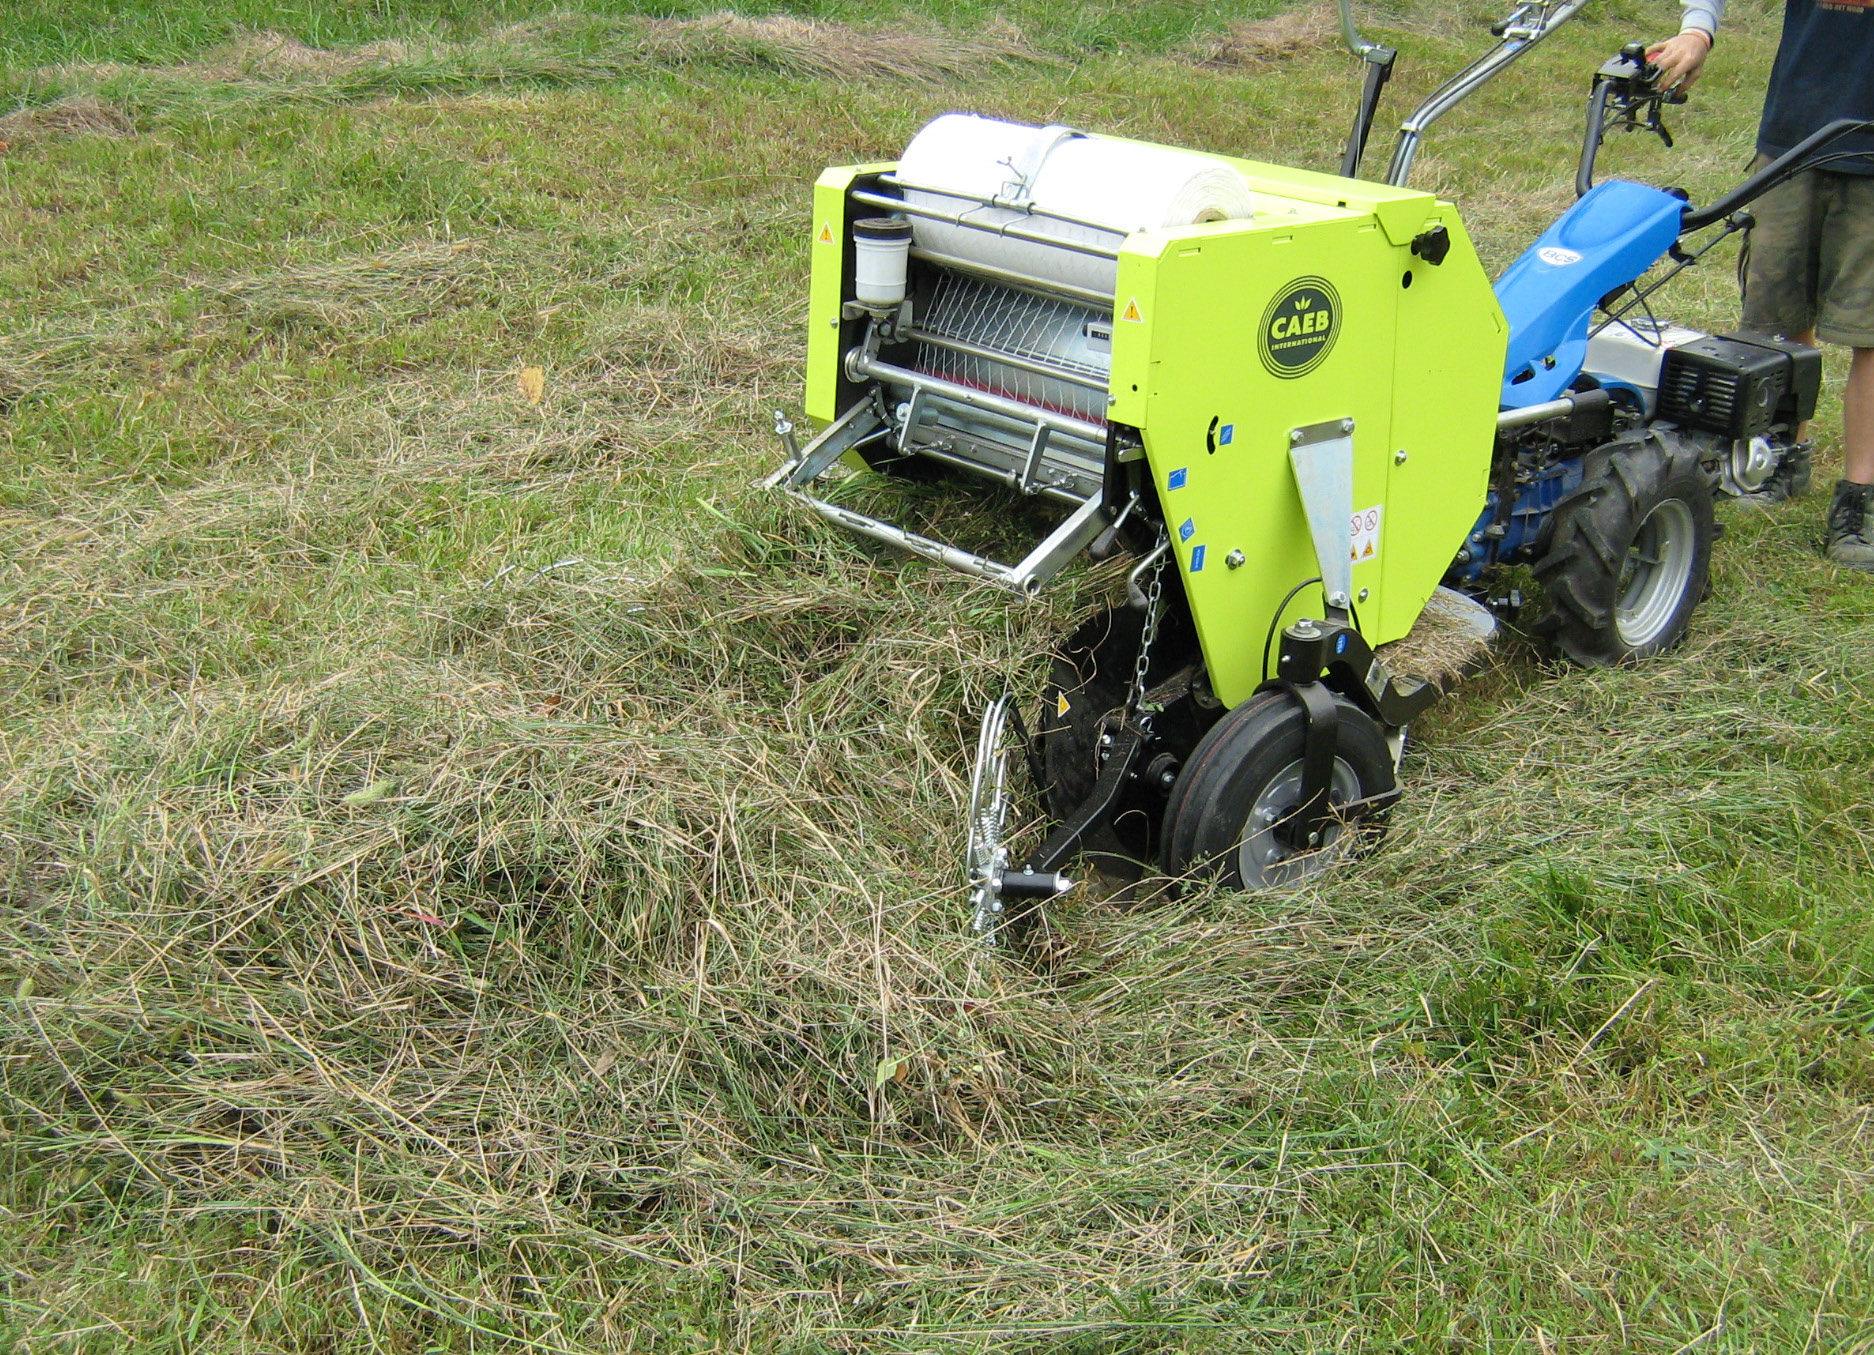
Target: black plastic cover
{"points": [[1740, 385]]}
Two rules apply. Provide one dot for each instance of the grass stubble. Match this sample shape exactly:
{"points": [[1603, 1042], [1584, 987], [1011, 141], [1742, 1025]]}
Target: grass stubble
{"points": [[478, 876]]}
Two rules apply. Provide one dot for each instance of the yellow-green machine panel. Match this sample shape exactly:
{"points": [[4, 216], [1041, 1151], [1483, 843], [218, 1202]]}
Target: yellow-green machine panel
{"points": [[1229, 338]]}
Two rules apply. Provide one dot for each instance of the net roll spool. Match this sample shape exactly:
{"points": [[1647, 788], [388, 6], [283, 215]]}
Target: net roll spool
{"points": [[959, 163]]}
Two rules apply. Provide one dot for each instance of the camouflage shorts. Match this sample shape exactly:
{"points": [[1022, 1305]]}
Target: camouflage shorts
{"points": [[1810, 260]]}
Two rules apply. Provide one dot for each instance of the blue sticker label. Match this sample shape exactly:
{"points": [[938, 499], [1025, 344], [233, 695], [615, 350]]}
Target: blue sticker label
{"points": [[1187, 530], [1340, 645], [1226, 435], [1175, 480], [1197, 558]]}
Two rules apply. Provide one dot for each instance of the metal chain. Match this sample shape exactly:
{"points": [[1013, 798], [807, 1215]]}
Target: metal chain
{"points": [[1154, 596]]}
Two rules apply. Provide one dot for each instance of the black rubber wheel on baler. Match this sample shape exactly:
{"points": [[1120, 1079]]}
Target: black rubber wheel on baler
{"points": [[1225, 814], [1629, 553]]}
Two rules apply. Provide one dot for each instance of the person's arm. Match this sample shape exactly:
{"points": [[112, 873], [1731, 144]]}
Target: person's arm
{"points": [[1681, 58]]}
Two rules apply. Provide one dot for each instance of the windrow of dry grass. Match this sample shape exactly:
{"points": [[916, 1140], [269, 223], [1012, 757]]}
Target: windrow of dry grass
{"points": [[112, 98], [475, 875]]}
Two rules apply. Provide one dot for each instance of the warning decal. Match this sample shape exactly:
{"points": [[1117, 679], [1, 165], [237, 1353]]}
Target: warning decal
{"points": [[826, 233], [1366, 525], [1132, 312], [1061, 706]]}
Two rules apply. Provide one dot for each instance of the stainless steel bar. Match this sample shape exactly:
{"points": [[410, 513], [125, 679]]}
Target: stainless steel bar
{"points": [[833, 442], [1037, 448], [1548, 409], [1061, 545], [1035, 569], [1466, 82], [976, 350], [860, 367], [1350, 34], [1056, 493], [961, 560], [1006, 228], [1008, 277], [893, 181], [1091, 452]]}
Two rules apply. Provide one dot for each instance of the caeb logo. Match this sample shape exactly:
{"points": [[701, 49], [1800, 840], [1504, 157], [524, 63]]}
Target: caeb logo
{"points": [[1299, 328]]}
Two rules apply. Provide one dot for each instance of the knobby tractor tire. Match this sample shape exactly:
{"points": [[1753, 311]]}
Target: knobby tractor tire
{"points": [[1629, 553], [1245, 776]]}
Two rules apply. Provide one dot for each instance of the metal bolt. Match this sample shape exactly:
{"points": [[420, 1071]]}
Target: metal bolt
{"points": [[1346, 425], [1305, 629], [1314, 839], [1365, 593], [1399, 457], [1269, 815], [1337, 599], [1235, 559], [1270, 857], [1295, 437]]}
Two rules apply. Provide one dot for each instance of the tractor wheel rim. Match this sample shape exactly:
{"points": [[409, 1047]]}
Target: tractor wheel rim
{"points": [[1657, 573], [1263, 859]]}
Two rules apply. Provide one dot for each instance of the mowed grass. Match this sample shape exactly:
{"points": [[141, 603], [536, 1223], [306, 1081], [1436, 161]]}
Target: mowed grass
{"points": [[479, 876]]}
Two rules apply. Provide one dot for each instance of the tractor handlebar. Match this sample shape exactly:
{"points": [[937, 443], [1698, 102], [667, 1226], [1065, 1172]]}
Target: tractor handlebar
{"points": [[1627, 85], [1799, 159]]}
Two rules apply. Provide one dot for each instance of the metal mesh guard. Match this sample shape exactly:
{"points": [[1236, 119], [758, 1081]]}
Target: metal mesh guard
{"points": [[1039, 329]]}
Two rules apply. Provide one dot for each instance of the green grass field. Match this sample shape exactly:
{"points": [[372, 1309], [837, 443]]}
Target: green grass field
{"points": [[476, 875]]}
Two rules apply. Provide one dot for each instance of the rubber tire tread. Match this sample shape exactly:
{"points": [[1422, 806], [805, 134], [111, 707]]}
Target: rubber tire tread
{"points": [[1235, 761], [1592, 531]]}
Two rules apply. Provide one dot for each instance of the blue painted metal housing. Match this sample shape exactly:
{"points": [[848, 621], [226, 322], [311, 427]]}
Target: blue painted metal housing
{"points": [[1609, 238], [1529, 518]]}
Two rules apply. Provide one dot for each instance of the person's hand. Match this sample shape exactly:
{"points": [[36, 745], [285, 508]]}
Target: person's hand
{"points": [[1680, 59]]}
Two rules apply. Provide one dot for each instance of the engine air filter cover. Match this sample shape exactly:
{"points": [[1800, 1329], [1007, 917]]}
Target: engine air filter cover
{"points": [[1741, 386]]}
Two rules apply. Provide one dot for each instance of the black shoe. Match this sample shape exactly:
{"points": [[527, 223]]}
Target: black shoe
{"points": [[1851, 526]]}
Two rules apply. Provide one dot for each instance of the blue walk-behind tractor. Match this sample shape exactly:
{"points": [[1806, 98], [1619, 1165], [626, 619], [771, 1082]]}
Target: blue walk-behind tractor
{"points": [[1298, 402]]}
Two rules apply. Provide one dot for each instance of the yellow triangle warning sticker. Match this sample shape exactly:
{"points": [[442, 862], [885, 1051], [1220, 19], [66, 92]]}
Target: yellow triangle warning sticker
{"points": [[1061, 707], [1132, 312], [826, 233]]}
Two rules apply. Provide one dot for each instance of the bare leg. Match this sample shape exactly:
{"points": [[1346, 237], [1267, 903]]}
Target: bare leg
{"points": [[1808, 337], [1857, 418], [1851, 515]]}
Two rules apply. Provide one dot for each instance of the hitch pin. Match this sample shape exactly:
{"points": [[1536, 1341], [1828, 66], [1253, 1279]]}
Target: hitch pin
{"points": [[784, 430], [1135, 594]]}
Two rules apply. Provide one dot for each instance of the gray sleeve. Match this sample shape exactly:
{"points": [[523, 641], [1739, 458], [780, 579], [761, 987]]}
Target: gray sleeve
{"points": [[1703, 14]]}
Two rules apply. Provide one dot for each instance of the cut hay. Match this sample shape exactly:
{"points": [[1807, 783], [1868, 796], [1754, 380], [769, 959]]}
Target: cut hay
{"points": [[1444, 644], [80, 115], [559, 51], [1259, 42], [827, 51], [409, 283]]}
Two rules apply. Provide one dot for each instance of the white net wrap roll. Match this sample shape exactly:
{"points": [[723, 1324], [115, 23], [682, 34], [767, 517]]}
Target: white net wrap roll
{"points": [[1121, 185]]}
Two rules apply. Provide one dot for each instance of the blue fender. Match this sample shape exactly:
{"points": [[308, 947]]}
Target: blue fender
{"points": [[1610, 237]]}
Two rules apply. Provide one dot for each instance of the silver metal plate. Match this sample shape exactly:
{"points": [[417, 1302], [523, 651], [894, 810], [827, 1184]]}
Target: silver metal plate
{"points": [[1322, 455]]}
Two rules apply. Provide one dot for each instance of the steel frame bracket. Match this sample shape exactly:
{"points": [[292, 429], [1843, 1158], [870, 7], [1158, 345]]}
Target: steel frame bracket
{"points": [[1304, 826], [1098, 807], [1322, 455], [1318, 660]]}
